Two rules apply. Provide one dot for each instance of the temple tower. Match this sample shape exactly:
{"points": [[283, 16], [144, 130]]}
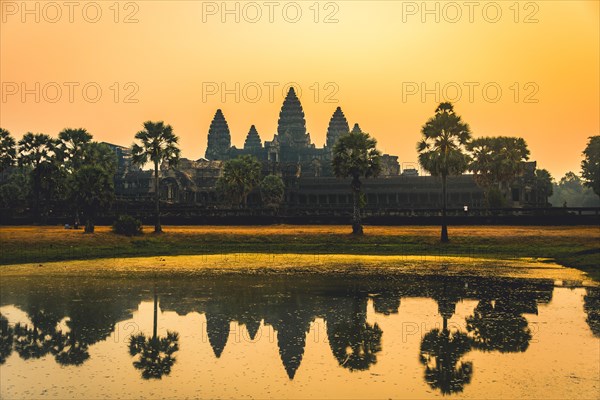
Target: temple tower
{"points": [[338, 126], [253, 141], [356, 129], [219, 138], [291, 127]]}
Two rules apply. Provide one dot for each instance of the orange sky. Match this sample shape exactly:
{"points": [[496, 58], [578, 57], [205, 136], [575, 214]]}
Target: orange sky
{"points": [[372, 57]]}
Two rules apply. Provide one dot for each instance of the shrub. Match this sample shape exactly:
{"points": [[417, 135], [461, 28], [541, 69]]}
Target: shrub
{"points": [[127, 225]]}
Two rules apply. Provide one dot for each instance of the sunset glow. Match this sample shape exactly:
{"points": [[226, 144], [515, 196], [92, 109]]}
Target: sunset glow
{"points": [[375, 62]]}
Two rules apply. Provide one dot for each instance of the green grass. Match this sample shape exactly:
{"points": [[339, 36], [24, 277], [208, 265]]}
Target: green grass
{"points": [[570, 246]]}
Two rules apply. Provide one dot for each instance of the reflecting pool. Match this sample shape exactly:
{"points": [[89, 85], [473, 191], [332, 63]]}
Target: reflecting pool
{"points": [[300, 335]]}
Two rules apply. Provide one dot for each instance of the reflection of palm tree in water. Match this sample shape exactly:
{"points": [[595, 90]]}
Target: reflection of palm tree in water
{"points": [[6, 339], [37, 340], [68, 348], [354, 342], [155, 353], [591, 306], [499, 327], [441, 352]]}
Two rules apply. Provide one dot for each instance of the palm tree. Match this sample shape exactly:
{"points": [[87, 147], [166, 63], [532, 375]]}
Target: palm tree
{"points": [[93, 189], [71, 146], [240, 176], [355, 155], [8, 150], [91, 182], [37, 151], [442, 150], [543, 186], [158, 145], [496, 163], [590, 166], [155, 353]]}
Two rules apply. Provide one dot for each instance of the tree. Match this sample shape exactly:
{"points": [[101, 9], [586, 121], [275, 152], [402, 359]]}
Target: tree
{"points": [[37, 151], [271, 191], [158, 145], [353, 341], [591, 306], [100, 154], [355, 155], [15, 191], [76, 151], [570, 190], [8, 150], [441, 352], [35, 340], [93, 190], [71, 147], [6, 339], [442, 150], [240, 176], [498, 327], [543, 185], [496, 163], [155, 353], [69, 349], [590, 166]]}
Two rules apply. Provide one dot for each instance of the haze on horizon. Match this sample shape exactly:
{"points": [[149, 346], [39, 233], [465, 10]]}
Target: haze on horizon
{"points": [[371, 58]]}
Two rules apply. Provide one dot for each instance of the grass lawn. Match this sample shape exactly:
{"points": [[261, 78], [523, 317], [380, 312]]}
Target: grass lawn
{"points": [[577, 247]]}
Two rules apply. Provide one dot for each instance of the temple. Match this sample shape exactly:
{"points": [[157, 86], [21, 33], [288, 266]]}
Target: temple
{"points": [[291, 152], [306, 171]]}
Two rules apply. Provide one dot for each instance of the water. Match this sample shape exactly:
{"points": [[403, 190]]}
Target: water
{"points": [[231, 335]]}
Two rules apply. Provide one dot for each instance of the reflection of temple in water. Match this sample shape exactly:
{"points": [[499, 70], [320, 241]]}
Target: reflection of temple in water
{"points": [[289, 305]]}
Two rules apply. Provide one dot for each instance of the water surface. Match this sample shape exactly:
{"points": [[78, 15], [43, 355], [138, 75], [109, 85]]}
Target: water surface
{"points": [[300, 335]]}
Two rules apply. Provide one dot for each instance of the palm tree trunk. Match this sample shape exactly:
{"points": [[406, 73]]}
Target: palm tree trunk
{"points": [[157, 227], [36, 194], [155, 325], [444, 237], [89, 226], [89, 220], [357, 228]]}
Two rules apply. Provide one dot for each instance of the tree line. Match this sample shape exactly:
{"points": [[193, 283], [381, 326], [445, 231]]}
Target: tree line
{"points": [[447, 148], [44, 172], [74, 169]]}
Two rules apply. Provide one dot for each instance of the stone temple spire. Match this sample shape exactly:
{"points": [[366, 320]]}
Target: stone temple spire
{"points": [[219, 138], [292, 126], [252, 139], [356, 129], [338, 126]]}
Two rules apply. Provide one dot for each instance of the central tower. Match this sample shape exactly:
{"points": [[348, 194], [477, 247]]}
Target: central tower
{"points": [[291, 127]]}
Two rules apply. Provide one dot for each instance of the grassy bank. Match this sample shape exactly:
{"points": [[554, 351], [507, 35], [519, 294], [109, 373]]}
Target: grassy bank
{"points": [[576, 247]]}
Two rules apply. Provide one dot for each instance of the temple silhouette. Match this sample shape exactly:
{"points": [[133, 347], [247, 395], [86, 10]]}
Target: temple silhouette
{"points": [[306, 171]]}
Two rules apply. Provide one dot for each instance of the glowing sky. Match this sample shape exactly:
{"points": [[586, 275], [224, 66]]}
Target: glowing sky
{"points": [[367, 56]]}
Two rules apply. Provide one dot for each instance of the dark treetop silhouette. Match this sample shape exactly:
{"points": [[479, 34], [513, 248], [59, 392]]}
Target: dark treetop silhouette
{"points": [[442, 150]]}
